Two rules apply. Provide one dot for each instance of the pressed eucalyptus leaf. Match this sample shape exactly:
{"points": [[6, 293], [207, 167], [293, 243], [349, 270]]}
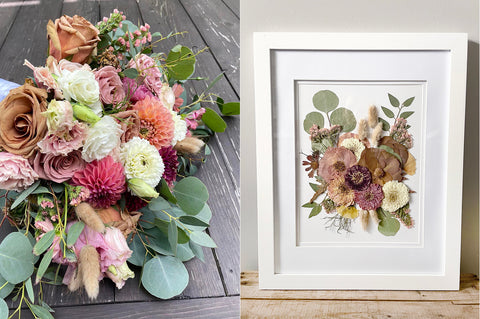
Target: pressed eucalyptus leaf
{"points": [[345, 118], [315, 211], [388, 226], [393, 100], [311, 119], [409, 101], [406, 115], [388, 113], [325, 101]]}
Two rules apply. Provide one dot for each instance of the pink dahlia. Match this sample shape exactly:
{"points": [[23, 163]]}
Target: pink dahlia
{"points": [[105, 181], [370, 198], [169, 156], [335, 163]]}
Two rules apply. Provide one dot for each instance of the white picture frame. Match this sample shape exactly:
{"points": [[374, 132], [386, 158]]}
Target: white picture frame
{"points": [[283, 59]]}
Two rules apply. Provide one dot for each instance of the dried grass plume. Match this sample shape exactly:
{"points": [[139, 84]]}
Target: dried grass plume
{"points": [[363, 214], [362, 129], [189, 145], [372, 116], [374, 215], [89, 216], [89, 268], [377, 134]]}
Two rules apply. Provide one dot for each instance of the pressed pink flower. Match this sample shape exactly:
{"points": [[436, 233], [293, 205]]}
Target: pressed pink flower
{"points": [[111, 87], [335, 162], [370, 198], [148, 70], [104, 179], [169, 157], [340, 193], [15, 172], [58, 168], [62, 145], [157, 124], [193, 118]]}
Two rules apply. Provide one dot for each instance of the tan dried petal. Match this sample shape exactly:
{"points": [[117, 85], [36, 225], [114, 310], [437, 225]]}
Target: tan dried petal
{"points": [[362, 129], [364, 216], [410, 166], [372, 116]]}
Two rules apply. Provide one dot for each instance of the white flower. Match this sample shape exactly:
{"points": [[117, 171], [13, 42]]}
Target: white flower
{"points": [[180, 128], [142, 160], [167, 96], [81, 86], [102, 138], [396, 196], [59, 116], [354, 145]]}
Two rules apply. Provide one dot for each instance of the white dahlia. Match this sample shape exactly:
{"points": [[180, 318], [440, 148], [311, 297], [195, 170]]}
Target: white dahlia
{"points": [[180, 128], [395, 196], [102, 138], [142, 160], [354, 145]]}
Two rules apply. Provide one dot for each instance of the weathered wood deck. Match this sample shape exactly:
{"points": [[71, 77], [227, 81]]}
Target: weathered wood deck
{"points": [[213, 290]]}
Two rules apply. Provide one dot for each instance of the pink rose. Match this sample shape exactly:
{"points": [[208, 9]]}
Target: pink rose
{"points": [[111, 88], [134, 91], [149, 72], [58, 168], [15, 172], [62, 145]]}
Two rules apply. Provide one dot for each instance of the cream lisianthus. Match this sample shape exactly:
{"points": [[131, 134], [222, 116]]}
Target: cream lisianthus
{"points": [[354, 145], [59, 116], [180, 128], [81, 86], [103, 137], [142, 160], [395, 196]]}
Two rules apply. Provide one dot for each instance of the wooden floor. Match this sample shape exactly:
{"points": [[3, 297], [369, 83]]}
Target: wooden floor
{"points": [[462, 304], [213, 290]]}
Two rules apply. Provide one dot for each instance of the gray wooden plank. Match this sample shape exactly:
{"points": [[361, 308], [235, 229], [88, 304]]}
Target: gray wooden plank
{"points": [[220, 29], [87, 9], [167, 15], [234, 5], [212, 308], [8, 12]]}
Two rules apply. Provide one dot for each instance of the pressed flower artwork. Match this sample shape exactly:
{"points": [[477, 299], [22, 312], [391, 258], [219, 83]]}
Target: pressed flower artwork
{"points": [[358, 152]]}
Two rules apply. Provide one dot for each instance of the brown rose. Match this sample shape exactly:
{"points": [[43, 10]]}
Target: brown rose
{"points": [[130, 124], [22, 125], [383, 166], [74, 37]]}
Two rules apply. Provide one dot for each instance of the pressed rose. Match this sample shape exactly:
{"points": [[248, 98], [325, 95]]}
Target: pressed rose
{"points": [[15, 172], [68, 142], [72, 36], [382, 165], [58, 168], [398, 148], [111, 87], [335, 162], [22, 125], [149, 72], [59, 116]]}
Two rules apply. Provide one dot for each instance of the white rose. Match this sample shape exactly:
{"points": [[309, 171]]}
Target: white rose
{"points": [[80, 85], [102, 138], [167, 96], [180, 128]]}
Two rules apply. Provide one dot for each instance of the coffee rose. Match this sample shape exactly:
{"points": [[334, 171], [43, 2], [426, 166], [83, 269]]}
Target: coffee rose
{"points": [[111, 86], [72, 36], [58, 168], [22, 124]]}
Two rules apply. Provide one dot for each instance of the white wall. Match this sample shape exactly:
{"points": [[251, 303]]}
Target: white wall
{"points": [[360, 16]]}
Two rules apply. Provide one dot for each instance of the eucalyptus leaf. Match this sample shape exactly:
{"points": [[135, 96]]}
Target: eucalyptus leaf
{"points": [[180, 62], [325, 101], [315, 211], [213, 120], [173, 236], [131, 73], [406, 115], [24, 194], [184, 252], [388, 113], [162, 225], [164, 277], [41, 312], [182, 236], [313, 118], [44, 242], [7, 287], [190, 220], [385, 125], [230, 108], [74, 232], [138, 251], [29, 288], [158, 204], [408, 102], [16, 258], [164, 191], [388, 225], [197, 250], [217, 78], [393, 100], [3, 309], [202, 239], [309, 205], [191, 195], [158, 241], [46, 260], [345, 118], [205, 216]]}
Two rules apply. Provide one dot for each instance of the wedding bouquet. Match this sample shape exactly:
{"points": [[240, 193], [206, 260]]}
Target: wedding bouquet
{"points": [[360, 175], [96, 153]]}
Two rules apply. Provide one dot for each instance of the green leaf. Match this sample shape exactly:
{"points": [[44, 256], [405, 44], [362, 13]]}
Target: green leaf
{"points": [[173, 236], [385, 125], [182, 237], [313, 118], [388, 225], [46, 260], [162, 225], [315, 211], [24, 195], [325, 101], [16, 258], [315, 187], [388, 113], [190, 220], [44, 242], [158, 241], [164, 190], [158, 204], [406, 115], [231, 108], [41, 312], [138, 251], [3, 309], [345, 118], [309, 205], [7, 287], [390, 150], [408, 102], [184, 252], [74, 232], [29, 287], [217, 78], [131, 73], [205, 215], [41, 190], [191, 195], [197, 250], [202, 239], [180, 62], [164, 277], [393, 100], [213, 120]]}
